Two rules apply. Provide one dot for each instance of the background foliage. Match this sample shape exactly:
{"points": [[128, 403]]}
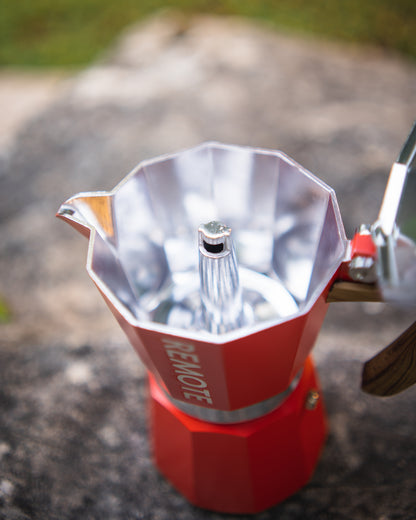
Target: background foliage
{"points": [[74, 32]]}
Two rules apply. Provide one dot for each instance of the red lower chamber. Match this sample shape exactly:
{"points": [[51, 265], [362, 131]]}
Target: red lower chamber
{"points": [[245, 467]]}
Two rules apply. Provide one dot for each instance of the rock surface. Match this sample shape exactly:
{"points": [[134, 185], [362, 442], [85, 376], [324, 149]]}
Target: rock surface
{"points": [[73, 421], [23, 95]]}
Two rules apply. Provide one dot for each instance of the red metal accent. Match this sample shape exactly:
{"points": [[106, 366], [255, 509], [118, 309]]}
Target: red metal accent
{"points": [[245, 467], [363, 245]]}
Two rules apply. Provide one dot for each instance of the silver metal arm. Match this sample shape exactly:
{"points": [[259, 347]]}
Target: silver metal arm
{"points": [[394, 232]]}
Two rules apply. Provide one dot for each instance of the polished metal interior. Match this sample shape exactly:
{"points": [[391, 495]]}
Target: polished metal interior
{"points": [[286, 230]]}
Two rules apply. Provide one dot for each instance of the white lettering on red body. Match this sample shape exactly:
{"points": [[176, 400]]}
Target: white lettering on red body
{"points": [[187, 367]]}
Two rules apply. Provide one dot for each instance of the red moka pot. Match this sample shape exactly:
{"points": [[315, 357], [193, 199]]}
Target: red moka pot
{"points": [[217, 262]]}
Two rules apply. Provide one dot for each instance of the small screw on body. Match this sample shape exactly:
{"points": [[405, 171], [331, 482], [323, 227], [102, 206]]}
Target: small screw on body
{"points": [[312, 399]]}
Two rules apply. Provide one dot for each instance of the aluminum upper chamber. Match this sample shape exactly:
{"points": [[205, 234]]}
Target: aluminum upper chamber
{"points": [[286, 230], [219, 257]]}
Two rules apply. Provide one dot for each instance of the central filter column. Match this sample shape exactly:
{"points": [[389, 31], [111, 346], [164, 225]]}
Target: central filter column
{"points": [[221, 295]]}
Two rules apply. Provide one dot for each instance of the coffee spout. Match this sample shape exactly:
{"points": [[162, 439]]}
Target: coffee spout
{"points": [[88, 211]]}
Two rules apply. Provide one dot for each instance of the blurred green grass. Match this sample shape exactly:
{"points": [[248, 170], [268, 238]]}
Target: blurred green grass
{"points": [[5, 311], [71, 33]]}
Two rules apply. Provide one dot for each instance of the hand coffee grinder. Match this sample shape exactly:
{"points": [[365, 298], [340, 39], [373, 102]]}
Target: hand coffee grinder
{"points": [[218, 262]]}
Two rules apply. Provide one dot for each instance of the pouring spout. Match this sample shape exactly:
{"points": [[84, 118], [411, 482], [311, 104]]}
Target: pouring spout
{"points": [[87, 211]]}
